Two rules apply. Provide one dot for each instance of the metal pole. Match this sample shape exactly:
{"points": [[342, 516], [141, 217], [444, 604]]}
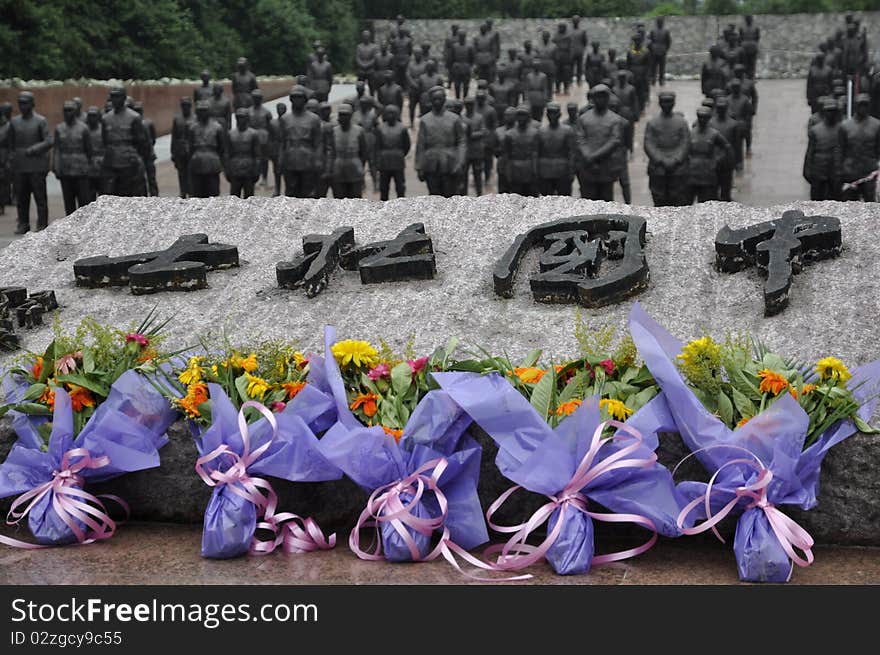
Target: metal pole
{"points": [[849, 98]]}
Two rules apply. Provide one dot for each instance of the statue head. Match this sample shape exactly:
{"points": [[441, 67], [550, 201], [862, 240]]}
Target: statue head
{"points": [[454, 29], [511, 53], [637, 38], [383, 47], [469, 105], [489, 23], [863, 105], [343, 115], [562, 28], [595, 45], [509, 117], [522, 117], [79, 104], [527, 45], [462, 35], [242, 119], [481, 96], [257, 97], [400, 19], [26, 103], [714, 52], [186, 106], [387, 77], [502, 74], [419, 56], [666, 99], [365, 36], [749, 19], [721, 106], [203, 111], [390, 114], [438, 99], [660, 21], [830, 111], [851, 29], [298, 98], [735, 86], [575, 20], [360, 88], [324, 110], [118, 98], [431, 67], [545, 36], [484, 28], [601, 96], [206, 77], [367, 104], [739, 70], [217, 90], [280, 109], [93, 117], [242, 64], [320, 53], [312, 105], [426, 50], [704, 114], [819, 59], [69, 111], [622, 74], [612, 54], [554, 113], [456, 106]]}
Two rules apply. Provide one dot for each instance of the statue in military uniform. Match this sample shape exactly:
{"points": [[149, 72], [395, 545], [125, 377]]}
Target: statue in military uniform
{"points": [[126, 147], [440, 147], [556, 148], [707, 147], [667, 143], [302, 147], [598, 136], [860, 151], [207, 150], [243, 82], [348, 156], [392, 144], [179, 147], [521, 155], [73, 154], [242, 164]]}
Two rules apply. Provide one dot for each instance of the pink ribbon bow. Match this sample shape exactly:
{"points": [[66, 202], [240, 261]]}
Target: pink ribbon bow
{"points": [[385, 505], [788, 532], [70, 501], [292, 532], [517, 554]]}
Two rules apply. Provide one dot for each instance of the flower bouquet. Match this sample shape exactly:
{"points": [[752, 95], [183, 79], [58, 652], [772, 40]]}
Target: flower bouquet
{"points": [[407, 447], [761, 426], [82, 413], [254, 415], [560, 433]]}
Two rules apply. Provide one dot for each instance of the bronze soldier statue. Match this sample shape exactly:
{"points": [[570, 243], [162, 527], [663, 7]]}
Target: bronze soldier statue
{"points": [[325, 111], [545, 61], [508, 123], [448, 43], [489, 113], [384, 62], [459, 182], [29, 142], [476, 128], [619, 158], [220, 108], [536, 87], [612, 65], [659, 43], [629, 105], [707, 148], [740, 109], [573, 111], [368, 119], [414, 72], [150, 160], [365, 59], [73, 155], [125, 148], [514, 71], [179, 145], [564, 58], [401, 51], [320, 74], [521, 154], [302, 147], [638, 61], [259, 120], [390, 93], [599, 133], [243, 82], [207, 148], [349, 155], [440, 147], [714, 72], [503, 91], [275, 146], [462, 65], [667, 142], [484, 54], [749, 34], [96, 140], [428, 80], [860, 151], [729, 129], [578, 47], [203, 92], [5, 157], [392, 145], [822, 162], [818, 82], [556, 150], [242, 165]]}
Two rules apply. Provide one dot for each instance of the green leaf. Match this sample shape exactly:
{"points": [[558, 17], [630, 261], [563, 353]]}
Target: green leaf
{"points": [[34, 409], [45, 432], [865, 427], [368, 384], [88, 361], [744, 406], [5, 409], [34, 392], [401, 378], [241, 387], [774, 362], [629, 375], [573, 388], [725, 408], [542, 395], [531, 358], [642, 398], [88, 383]]}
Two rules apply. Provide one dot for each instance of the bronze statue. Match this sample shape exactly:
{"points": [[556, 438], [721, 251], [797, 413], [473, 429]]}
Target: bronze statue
{"points": [[207, 148], [578, 47], [638, 61], [259, 120], [476, 129], [242, 165], [521, 154], [368, 119], [503, 91], [392, 145], [667, 142], [556, 148], [599, 134], [96, 139], [440, 147], [860, 151], [462, 65], [243, 82], [714, 72], [564, 58], [818, 82], [536, 89], [179, 144], [459, 178], [740, 109], [729, 129], [749, 34], [320, 74], [349, 155], [822, 162], [659, 43], [29, 142], [203, 92], [629, 105], [619, 158], [414, 72], [448, 44], [302, 147], [545, 60], [5, 157], [595, 65], [513, 68], [365, 60], [707, 148], [428, 80], [275, 146], [487, 110], [401, 51], [125, 148], [150, 160], [73, 154], [612, 65], [390, 93], [484, 54], [322, 186], [508, 122], [384, 62], [220, 108]]}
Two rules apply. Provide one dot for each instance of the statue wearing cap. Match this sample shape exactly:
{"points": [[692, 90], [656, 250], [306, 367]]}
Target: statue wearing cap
{"points": [[659, 43], [714, 72], [126, 148], [707, 146], [729, 129], [638, 61], [29, 142], [860, 151], [741, 110], [579, 42], [427, 81], [206, 140], [96, 139], [485, 57], [556, 148], [667, 143], [414, 70], [536, 89], [545, 60], [440, 146], [242, 165], [749, 87], [520, 149], [349, 155], [259, 120], [598, 136], [204, 91], [365, 59], [401, 51], [749, 35], [822, 161], [179, 147], [503, 91], [320, 74], [72, 158], [220, 107], [564, 58], [392, 144], [462, 56], [302, 147], [243, 82]]}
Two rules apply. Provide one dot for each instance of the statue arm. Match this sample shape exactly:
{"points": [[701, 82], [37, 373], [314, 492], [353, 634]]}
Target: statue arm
{"points": [[650, 145], [407, 142], [420, 148], [139, 136], [363, 149], [808, 156], [611, 144], [87, 144], [56, 154], [461, 145], [684, 145], [571, 146]]}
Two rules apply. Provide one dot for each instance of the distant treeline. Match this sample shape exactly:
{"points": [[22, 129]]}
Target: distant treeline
{"points": [[150, 39]]}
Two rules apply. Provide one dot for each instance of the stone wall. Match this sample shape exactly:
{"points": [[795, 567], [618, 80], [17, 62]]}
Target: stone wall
{"points": [[787, 42]]}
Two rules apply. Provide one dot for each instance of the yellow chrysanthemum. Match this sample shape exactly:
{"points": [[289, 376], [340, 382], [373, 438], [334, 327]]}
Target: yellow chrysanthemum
{"points": [[832, 368], [256, 387], [615, 408], [248, 364], [703, 351], [299, 359], [193, 372], [529, 375], [360, 353], [808, 389], [771, 382]]}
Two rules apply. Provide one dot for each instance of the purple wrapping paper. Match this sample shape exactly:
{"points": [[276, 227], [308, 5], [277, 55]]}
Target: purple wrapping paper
{"points": [[294, 455], [776, 437], [128, 427], [543, 460], [372, 459]]}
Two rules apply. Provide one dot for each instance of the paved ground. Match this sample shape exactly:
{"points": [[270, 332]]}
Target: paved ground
{"points": [[771, 177], [169, 554]]}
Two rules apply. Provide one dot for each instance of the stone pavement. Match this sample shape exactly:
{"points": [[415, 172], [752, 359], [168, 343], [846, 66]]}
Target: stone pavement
{"points": [[165, 554], [772, 176]]}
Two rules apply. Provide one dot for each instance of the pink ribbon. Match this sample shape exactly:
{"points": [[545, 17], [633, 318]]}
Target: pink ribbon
{"points": [[292, 532], [517, 553], [385, 505], [788, 532], [70, 502]]}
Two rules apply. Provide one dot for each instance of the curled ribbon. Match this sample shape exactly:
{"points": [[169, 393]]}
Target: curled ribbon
{"points": [[855, 184], [292, 532], [70, 502], [387, 505], [517, 553], [790, 535]]}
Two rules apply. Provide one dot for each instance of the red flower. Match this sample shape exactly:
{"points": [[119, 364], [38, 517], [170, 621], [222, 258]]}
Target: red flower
{"points": [[608, 365], [139, 339], [417, 365]]}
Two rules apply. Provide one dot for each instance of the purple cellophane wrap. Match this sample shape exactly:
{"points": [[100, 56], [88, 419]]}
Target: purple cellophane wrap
{"points": [[373, 459], [543, 460], [294, 455], [128, 428], [775, 436]]}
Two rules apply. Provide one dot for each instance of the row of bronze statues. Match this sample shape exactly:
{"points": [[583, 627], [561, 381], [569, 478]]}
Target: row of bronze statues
{"points": [[843, 132]]}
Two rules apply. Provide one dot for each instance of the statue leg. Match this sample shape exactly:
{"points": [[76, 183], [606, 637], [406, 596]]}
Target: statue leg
{"points": [[41, 199], [68, 193], [23, 196], [657, 185], [385, 185], [399, 183]]}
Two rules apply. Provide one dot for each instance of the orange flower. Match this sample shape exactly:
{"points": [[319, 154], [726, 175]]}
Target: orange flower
{"points": [[196, 394], [367, 402], [793, 392], [37, 369], [80, 398], [772, 382], [567, 408], [147, 355], [743, 421], [808, 389], [293, 388], [48, 398], [397, 434], [530, 375]]}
